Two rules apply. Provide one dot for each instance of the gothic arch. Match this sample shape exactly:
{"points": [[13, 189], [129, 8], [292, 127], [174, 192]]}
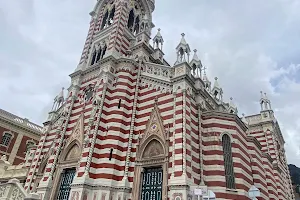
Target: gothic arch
{"points": [[229, 134], [152, 147], [100, 4], [152, 152], [72, 152], [74, 142]]}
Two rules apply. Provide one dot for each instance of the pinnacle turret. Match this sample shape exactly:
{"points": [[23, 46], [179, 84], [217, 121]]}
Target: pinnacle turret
{"points": [[265, 103], [58, 100], [217, 91], [232, 107], [183, 51], [196, 65], [158, 40]]}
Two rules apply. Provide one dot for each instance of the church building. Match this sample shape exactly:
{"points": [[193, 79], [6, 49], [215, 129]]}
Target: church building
{"points": [[134, 127]]}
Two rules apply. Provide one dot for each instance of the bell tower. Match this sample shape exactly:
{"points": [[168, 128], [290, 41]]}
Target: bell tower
{"points": [[116, 26]]}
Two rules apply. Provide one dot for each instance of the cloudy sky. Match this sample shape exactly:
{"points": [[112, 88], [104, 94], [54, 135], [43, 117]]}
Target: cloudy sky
{"points": [[250, 45]]}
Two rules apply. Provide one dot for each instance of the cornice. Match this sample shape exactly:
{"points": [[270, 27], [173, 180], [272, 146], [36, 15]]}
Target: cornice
{"points": [[214, 113], [17, 127], [266, 155], [163, 82], [101, 187], [94, 67], [144, 46], [255, 141]]}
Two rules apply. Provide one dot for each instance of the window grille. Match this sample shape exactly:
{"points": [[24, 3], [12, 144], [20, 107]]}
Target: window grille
{"points": [[6, 139]]}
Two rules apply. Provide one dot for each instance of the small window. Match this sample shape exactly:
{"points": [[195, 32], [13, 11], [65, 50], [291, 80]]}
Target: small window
{"points": [[119, 105], [130, 23], [6, 139], [104, 21], [103, 52], [111, 16], [94, 57], [110, 154], [29, 145]]}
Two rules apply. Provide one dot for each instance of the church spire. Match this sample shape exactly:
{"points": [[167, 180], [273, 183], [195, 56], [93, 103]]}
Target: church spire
{"points": [[206, 81], [232, 107], [183, 51], [135, 17], [265, 103], [196, 65], [217, 91], [158, 41], [58, 100]]}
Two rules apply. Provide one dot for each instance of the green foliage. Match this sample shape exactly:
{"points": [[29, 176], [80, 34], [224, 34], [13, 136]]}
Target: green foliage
{"points": [[295, 175]]}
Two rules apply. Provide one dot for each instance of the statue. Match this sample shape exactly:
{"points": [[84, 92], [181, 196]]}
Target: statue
{"points": [[4, 157]]}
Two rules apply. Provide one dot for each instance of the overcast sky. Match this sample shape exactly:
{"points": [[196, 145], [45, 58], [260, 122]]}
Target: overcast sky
{"points": [[250, 45]]}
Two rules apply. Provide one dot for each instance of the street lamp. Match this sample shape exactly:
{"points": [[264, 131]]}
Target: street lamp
{"points": [[254, 192]]}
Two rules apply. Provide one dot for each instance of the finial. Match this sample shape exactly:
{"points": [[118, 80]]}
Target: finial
{"points": [[182, 34], [216, 78], [195, 50], [204, 70], [158, 29], [243, 114], [231, 98]]}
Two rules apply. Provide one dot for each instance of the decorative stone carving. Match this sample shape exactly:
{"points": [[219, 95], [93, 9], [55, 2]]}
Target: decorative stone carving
{"points": [[177, 196], [4, 158], [154, 148], [17, 194], [103, 196], [75, 195], [77, 133], [74, 153], [85, 195], [154, 127], [95, 196], [2, 190]]}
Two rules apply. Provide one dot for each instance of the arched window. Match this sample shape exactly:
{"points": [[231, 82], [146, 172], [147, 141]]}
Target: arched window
{"points": [[228, 162], [6, 138], [131, 21], [98, 55], [111, 16], [94, 57], [137, 25], [104, 20], [103, 52]]}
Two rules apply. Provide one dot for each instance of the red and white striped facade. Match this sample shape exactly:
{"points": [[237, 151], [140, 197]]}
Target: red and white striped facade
{"points": [[139, 104]]}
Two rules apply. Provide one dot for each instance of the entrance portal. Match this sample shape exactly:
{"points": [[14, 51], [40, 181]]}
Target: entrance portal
{"points": [[152, 184], [65, 184]]}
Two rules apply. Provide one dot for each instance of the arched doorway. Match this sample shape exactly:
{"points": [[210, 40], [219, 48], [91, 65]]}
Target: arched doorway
{"points": [[68, 172], [151, 165]]}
